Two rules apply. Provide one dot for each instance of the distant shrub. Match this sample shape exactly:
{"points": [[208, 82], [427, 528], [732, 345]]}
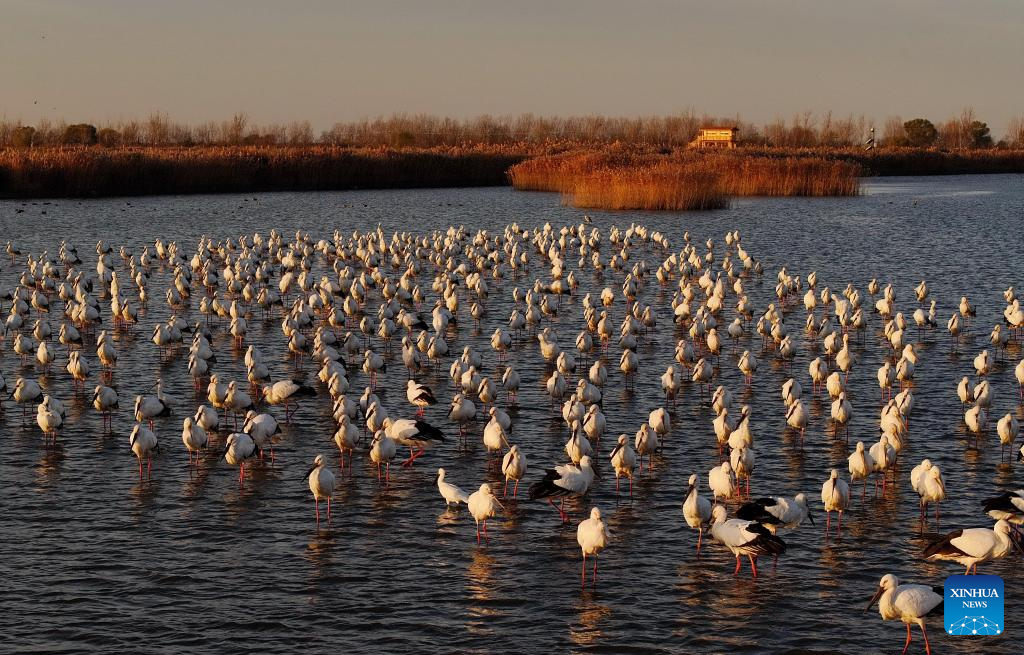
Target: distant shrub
{"points": [[920, 132], [108, 137], [24, 136], [80, 134]]}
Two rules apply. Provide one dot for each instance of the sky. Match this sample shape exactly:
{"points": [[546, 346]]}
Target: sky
{"points": [[326, 61]]}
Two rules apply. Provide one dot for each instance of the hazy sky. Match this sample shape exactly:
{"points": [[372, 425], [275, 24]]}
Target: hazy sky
{"points": [[100, 60]]}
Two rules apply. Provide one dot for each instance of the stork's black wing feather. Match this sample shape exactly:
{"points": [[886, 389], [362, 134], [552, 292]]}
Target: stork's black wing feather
{"points": [[943, 545], [546, 487], [755, 511], [429, 431]]}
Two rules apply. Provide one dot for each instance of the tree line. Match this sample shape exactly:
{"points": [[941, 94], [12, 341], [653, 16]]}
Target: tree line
{"points": [[804, 130]]}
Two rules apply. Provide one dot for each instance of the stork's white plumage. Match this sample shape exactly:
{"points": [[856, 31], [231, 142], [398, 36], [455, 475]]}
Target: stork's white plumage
{"points": [[287, 393], [861, 465], [236, 400], [513, 467], [564, 480], [696, 509], [48, 419], [240, 448], [104, 400], [483, 505], [207, 418], [972, 546], [623, 460], [263, 428], [776, 512], [419, 395], [495, 437], [149, 407], [592, 535], [742, 537], [835, 497], [412, 434], [143, 444], [194, 438], [382, 451], [321, 484], [721, 482], [452, 494], [909, 603], [932, 489]]}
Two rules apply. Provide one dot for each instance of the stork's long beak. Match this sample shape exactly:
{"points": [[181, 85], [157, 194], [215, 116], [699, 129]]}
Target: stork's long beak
{"points": [[309, 472], [811, 517], [878, 594]]}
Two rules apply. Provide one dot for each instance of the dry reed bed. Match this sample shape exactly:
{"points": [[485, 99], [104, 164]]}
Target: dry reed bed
{"points": [[605, 176], [629, 179], [95, 171], [910, 161], [657, 186]]}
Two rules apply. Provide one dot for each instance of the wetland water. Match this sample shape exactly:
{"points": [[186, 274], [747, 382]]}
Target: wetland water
{"points": [[94, 558]]}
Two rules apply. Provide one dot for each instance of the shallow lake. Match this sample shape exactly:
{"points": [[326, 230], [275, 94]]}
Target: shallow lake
{"points": [[94, 557]]}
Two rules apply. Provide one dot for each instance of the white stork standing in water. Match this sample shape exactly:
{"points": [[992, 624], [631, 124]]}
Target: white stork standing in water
{"points": [[104, 400], [932, 489], [419, 395], [240, 448], [194, 438], [592, 535], [451, 493], [49, 419], [909, 603], [721, 482], [513, 467], [835, 496], [462, 411], [564, 480], [262, 428], [287, 392], [483, 505], [412, 434], [624, 460], [238, 401], [143, 444], [696, 509], [1007, 428], [776, 512], [742, 537], [972, 546], [382, 451], [321, 484], [149, 407], [861, 465]]}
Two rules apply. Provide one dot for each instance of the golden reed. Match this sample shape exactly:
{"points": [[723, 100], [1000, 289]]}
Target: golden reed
{"points": [[685, 180], [614, 176], [83, 171]]}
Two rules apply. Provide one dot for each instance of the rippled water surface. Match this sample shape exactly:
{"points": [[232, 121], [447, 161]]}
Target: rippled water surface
{"points": [[94, 557]]}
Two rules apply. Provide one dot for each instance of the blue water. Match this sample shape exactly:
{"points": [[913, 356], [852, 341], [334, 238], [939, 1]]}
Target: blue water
{"points": [[96, 559]]}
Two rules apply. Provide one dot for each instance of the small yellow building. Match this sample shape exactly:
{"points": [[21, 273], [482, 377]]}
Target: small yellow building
{"points": [[717, 137]]}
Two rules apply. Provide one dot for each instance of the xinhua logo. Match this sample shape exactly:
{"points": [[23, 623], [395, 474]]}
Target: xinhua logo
{"points": [[973, 605]]}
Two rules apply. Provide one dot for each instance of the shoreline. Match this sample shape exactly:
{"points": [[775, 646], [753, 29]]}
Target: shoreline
{"points": [[99, 172]]}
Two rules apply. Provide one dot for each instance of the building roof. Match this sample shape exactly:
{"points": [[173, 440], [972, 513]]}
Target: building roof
{"points": [[720, 127]]}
